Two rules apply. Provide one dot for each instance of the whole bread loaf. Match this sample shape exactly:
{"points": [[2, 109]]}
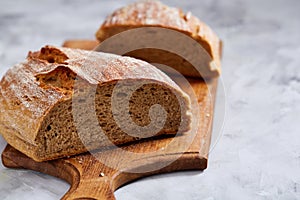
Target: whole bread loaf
{"points": [[44, 109], [151, 13]]}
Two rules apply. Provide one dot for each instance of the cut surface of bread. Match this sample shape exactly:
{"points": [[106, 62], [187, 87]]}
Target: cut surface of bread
{"points": [[62, 102], [151, 13]]}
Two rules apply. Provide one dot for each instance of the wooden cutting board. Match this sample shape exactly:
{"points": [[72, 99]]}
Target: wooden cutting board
{"points": [[91, 178]]}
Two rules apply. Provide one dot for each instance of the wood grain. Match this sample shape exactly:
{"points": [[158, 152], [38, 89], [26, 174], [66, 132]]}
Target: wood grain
{"points": [[81, 44], [91, 178]]}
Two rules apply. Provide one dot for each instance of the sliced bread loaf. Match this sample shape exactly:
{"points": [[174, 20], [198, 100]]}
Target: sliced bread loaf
{"points": [[54, 104], [151, 13]]}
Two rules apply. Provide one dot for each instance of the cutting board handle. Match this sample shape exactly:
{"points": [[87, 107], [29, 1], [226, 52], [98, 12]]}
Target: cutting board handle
{"points": [[91, 190]]}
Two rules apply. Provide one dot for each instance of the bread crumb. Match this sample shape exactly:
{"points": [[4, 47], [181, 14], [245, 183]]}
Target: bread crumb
{"points": [[102, 174]]}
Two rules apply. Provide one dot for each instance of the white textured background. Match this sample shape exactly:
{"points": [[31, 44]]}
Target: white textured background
{"points": [[258, 155]]}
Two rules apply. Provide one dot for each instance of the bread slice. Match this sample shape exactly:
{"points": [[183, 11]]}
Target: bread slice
{"points": [[151, 13], [45, 109]]}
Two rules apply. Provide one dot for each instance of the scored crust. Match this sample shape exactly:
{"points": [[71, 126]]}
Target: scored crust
{"points": [[36, 100], [151, 13]]}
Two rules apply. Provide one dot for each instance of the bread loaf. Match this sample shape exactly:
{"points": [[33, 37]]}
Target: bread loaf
{"points": [[151, 13], [38, 98]]}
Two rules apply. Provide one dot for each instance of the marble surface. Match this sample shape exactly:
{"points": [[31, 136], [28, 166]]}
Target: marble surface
{"points": [[258, 154]]}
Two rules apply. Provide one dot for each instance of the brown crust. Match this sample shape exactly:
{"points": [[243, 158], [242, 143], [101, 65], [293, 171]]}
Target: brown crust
{"points": [[25, 102], [151, 13]]}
